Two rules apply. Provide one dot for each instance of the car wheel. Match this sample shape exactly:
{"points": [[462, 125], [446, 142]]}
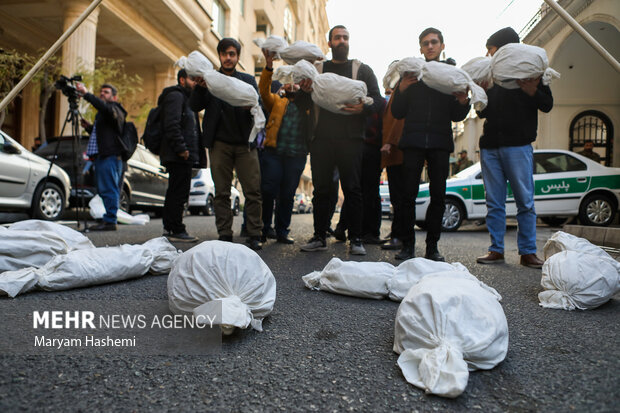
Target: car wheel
{"points": [[452, 216], [48, 202], [236, 209], [554, 221], [125, 201], [598, 210], [208, 209]]}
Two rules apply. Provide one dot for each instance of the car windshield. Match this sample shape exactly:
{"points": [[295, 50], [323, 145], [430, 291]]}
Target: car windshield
{"points": [[472, 170]]}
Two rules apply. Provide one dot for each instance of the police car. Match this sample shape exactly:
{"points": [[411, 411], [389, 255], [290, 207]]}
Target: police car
{"points": [[566, 185]]}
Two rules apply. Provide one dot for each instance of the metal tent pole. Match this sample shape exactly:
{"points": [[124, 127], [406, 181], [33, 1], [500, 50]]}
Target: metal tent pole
{"points": [[15, 91], [583, 33]]}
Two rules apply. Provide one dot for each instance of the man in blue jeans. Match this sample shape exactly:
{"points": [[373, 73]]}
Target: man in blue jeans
{"points": [[507, 155], [105, 148]]}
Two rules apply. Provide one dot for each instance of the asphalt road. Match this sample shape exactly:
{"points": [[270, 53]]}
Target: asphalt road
{"points": [[324, 352]]}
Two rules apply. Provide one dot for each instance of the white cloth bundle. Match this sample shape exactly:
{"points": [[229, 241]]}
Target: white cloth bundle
{"points": [[216, 273], [449, 79], [442, 77], [273, 44], [562, 241], [380, 280], [23, 249], [391, 76], [33, 242], [300, 50], [92, 266], [358, 279], [231, 90], [479, 69], [445, 327], [410, 272], [97, 210], [329, 90], [521, 61]]}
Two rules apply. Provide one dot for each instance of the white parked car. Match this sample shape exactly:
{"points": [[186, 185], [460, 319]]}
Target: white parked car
{"points": [[23, 185], [302, 204], [566, 185], [202, 194]]}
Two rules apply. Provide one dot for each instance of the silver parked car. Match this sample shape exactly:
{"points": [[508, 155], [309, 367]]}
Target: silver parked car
{"points": [[23, 183]]}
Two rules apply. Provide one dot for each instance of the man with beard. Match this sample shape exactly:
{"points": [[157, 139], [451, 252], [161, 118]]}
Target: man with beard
{"points": [[427, 136], [283, 158], [339, 142], [178, 153], [226, 131]]}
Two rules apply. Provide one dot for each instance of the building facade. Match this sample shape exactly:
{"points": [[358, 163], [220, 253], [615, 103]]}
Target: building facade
{"points": [[148, 36], [587, 96]]}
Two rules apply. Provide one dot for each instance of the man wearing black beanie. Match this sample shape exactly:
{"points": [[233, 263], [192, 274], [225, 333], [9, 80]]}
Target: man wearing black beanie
{"points": [[506, 154]]}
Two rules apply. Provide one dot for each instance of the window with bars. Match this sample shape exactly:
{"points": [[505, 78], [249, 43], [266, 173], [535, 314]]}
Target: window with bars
{"points": [[595, 126]]}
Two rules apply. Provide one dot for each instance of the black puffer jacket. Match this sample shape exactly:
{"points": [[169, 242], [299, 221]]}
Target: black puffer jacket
{"points": [[109, 121], [512, 116], [428, 117], [180, 126]]}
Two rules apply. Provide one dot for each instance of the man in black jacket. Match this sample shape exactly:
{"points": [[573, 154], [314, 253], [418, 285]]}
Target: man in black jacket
{"points": [[178, 153], [226, 131], [506, 154], [339, 142], [427, 136], [106, 149]]}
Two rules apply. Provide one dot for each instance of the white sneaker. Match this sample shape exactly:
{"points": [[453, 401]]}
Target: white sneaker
{"points": [[356, 248], [315, 244]]}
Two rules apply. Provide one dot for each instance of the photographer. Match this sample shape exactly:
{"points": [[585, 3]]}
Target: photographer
{"points": [[105, 148]]}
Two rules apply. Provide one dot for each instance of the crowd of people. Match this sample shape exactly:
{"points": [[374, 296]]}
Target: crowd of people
{"points": [[405, 131]]}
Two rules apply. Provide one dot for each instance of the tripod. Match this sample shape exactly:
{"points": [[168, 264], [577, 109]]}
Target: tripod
{"points": [[73, 117]]}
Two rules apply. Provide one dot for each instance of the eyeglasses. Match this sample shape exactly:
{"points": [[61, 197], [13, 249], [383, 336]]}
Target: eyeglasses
{"points": [[427, 42]]}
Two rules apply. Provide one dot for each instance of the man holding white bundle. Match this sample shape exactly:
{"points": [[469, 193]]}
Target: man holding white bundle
{"points": [[427, 136], [339, 142], [506, 154], [226, 131]]}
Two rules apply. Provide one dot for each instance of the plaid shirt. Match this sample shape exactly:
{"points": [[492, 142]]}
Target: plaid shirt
{"points": [[291, 141], [92, 149]]}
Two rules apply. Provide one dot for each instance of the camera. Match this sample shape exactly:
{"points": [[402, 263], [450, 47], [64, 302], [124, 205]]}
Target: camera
{"points": [[67, 86]]}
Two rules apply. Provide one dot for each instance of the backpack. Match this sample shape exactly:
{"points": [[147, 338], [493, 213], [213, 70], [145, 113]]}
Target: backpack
{"points": [[128, 140], [153, 131]]}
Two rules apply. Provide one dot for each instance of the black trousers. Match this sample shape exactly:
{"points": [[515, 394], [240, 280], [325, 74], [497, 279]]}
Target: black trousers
{"points": [[177, 194], [371, 201], [346, 154], [438, 169], [396, 184]]}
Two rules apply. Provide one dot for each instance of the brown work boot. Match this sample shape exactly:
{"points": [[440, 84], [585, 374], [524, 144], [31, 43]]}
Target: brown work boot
{"points": [[491, 258], [531, 260]]}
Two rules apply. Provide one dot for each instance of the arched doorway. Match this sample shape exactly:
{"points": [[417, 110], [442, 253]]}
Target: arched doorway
{"points": [[595, 126]]}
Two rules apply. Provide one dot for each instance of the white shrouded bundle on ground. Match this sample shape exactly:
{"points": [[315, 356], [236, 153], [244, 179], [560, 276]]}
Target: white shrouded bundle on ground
{"points": [[479, 69], [521, 61], [380, 280], [442, 77], [445, 327], [97, 211], [329, 90], [300, 50], [216, 273], [231, 90], [92, 266], [32, 243], [577, 274]]}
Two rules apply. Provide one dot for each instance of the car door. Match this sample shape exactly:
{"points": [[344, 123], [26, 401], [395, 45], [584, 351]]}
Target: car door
{"points": [[157, 178], [479, 203], [14, 171], [559, 181]]}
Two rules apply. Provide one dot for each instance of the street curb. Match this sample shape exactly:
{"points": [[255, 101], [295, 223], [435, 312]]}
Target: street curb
{"points": [[604, 236]]}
